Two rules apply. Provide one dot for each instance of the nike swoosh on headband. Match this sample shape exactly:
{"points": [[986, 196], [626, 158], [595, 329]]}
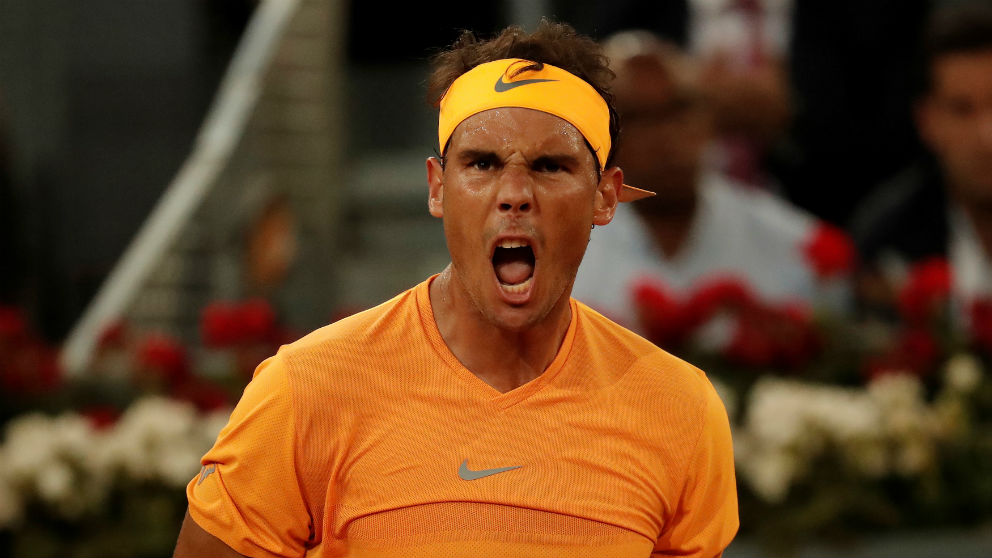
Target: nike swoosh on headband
{"points": [[502, 86]]}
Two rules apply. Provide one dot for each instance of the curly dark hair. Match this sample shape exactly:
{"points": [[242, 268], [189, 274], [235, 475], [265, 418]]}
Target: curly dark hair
{"points": [[552, 43]]}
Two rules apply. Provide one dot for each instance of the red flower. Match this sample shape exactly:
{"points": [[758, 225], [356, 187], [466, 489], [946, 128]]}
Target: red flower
{"points": [[220, 325], [113, 335], [12, 323], [257, 321], [224, 325], [101, 416], [32, 367], [164, 358], [205, 396], [798, 340], [751, 345], [659, 314], [916, 351], [766, 336], [926, 291], [981, 323], [723, 293], [829, 251]]}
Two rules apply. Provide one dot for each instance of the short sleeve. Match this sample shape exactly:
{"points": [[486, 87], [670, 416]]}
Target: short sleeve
{"points": [[706, 519], [248, 493]]}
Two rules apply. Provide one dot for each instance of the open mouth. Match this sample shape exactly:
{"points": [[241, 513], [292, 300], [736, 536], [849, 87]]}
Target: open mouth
{"points": [[513, 262]]}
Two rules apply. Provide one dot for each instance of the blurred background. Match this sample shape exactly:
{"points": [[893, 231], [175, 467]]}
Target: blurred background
{"points": [[185, 185]]}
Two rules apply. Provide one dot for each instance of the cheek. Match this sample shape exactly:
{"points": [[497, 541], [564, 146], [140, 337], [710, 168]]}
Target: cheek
{"points": [[572, 224]]}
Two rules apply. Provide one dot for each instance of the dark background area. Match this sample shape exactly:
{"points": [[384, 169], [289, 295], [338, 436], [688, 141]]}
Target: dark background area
{"points": [[100, 102]]}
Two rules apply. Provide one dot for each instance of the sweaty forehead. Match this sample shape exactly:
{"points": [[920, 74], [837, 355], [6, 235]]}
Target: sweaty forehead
{"points": [[513, 128]]}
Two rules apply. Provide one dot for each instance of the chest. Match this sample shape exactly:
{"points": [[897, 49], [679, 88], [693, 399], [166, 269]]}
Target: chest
{"points": [[584, 461]]}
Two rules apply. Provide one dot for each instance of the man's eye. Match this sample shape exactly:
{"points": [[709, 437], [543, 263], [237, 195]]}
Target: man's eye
{"points": [[482, 164], [548, 166]]}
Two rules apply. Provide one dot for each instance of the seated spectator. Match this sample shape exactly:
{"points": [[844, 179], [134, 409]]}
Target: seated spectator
{"points": [[940, 209], [701, 226], [742, 49]]}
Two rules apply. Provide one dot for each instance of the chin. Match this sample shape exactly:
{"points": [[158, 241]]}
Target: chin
{"points": [[513, 319]]}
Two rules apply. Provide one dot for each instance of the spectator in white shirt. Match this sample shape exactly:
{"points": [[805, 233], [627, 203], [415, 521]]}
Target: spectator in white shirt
{"points": [[701, 225]]}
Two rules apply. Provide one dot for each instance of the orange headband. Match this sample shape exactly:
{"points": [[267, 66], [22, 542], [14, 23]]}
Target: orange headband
{"points": [[550, 89]]}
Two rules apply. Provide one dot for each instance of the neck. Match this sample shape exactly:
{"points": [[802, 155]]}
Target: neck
{"points": [[503, 358]]}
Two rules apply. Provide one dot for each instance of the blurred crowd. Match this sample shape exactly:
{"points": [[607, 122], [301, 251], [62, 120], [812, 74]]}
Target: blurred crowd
{"points": [[706, 125], [820, 243], [806, 156]]}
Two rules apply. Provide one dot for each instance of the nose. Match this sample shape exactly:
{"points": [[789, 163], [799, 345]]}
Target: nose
{"points": [[516, 191]]}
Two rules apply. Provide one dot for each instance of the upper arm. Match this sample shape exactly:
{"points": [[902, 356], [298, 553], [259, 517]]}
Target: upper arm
{"points": [[195, 541], [249, 493], [706, 518]]}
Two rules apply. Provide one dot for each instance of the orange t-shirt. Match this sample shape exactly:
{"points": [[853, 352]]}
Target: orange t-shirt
{"points": [[369, 438]]}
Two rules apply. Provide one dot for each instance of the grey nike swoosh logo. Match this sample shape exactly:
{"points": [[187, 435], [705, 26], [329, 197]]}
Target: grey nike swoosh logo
{"points": [[501, 86], [467, 474], [206, 473]]}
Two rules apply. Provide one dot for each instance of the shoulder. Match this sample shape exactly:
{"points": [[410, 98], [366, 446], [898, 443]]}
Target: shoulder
{"points": [[335, 358], [641, 363], [361, 330]]}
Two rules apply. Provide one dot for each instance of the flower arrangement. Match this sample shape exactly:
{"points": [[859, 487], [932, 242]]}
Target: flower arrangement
{"points": [[839, 426], [68, 486], [843, 426], [98, 465]]}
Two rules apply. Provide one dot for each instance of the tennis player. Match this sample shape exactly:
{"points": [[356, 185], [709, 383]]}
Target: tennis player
{"points": [[484, 412]]}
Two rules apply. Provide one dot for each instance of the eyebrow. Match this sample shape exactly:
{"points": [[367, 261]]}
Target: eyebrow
{"points": [[563, 159], [467, 154]]}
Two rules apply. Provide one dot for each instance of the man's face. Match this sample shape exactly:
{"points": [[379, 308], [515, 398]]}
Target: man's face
{"points": [[518, 194], [665, 130], [956, 122]]}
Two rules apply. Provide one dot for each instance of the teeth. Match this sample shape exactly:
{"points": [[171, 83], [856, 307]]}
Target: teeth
{"points": [[519, 287], [513, 244]]}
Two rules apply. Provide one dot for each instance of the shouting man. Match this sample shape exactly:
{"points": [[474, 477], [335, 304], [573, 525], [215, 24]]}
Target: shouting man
{"points": [[483, 412]]}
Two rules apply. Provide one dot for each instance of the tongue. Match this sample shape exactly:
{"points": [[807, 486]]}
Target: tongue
{"points": [[513, 272]]}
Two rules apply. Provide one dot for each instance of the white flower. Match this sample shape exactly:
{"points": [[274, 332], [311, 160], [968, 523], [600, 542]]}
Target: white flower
{"points": [[770, 474], [914, 457], [65, 465], [775, 412], [49, 459], [897, 391], [178, 466], [54, 481], [845, 415], [10, 501], [29, 445], [963, 373], [214, 422], [158, 440]]}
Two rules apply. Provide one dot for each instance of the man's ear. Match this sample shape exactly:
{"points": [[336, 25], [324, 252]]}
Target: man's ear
{"points": [[435, 185], [607, 196]]}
